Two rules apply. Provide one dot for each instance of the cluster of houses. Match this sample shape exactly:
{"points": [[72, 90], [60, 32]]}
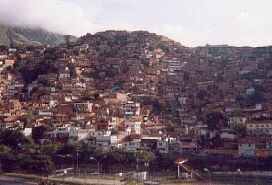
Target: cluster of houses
{"points": [[122, 89]]}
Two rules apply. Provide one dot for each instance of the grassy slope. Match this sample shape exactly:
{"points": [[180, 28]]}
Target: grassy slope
{"points": [[29, 36]]}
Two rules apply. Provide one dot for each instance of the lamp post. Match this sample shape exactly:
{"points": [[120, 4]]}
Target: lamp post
{"points": [[77, 154], [208, 171], [0, 165], [238, 171], [98, 162], [179, 163]]}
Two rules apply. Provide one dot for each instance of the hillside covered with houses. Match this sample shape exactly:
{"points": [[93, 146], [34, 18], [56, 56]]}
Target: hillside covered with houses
{"points": [[119, 92]]}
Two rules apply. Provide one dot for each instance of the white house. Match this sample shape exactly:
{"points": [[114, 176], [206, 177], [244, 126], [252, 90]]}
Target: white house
{"points": [[112, 123], [63, 131], [228, 134], [94, 133], [262, 127], [64, 73], [163, 146], [135, 126], [132, 145], [237, 120], [250, 91], [204, 132], [78, 134], [246, 148], [27, 131], [106, 141], [83, 107], [183, 100], [254, 146], [258, 106]]}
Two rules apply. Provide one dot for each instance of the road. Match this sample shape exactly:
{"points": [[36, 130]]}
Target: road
{"points": [[197, 183], [4, 180]]}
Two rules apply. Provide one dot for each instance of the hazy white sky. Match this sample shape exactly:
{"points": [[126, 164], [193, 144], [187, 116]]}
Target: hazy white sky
{"points": [[191, 22]]}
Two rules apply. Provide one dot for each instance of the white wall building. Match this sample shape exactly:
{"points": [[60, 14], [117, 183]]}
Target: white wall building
{"points": [[132, 145], [263, 127], [135, 126]]}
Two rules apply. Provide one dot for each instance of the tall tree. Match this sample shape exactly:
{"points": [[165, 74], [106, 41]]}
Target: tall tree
{"points": [[67, 39], [216, 120]]}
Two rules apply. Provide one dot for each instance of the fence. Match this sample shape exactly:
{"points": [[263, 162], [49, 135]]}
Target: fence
{"points": [[240, 179], [89, 176]]}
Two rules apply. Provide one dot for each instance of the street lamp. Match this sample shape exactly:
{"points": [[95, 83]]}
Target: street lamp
{"points": [[208, 171], [179, 163], [238, 171], [0, 166], [77, 154], [98, 162]]}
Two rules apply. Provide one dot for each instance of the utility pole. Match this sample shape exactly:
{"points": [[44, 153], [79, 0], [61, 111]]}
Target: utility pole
{"points": [[210, 177], [85, 177], [98, 162], [178, 171], [77, 154], [0, 166]]}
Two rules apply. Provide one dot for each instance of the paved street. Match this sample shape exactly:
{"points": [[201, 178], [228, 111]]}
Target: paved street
{"points": [[197, 183], [4, 180]]}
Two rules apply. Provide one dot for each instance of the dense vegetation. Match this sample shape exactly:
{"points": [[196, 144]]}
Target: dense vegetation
{"points": [[26, 154]]}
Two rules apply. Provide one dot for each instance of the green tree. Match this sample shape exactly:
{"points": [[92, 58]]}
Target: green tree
{"points": [[258, 96], [116, 156], [96, 95], [28, 119], [67, 39], [240, 129], [17, 67], [186, 76], [202, 94], [42, 164], [216, 120], [38, 133], [145, 156], [9, 69], [30, 145], [46, 83], [49, 148], [5, 149], [12, 138], [68, 148]]}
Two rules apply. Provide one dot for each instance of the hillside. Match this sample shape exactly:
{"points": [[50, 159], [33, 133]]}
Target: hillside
{"points": [[177, 82], [191, 80], [16, 35], [137, 85]]}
